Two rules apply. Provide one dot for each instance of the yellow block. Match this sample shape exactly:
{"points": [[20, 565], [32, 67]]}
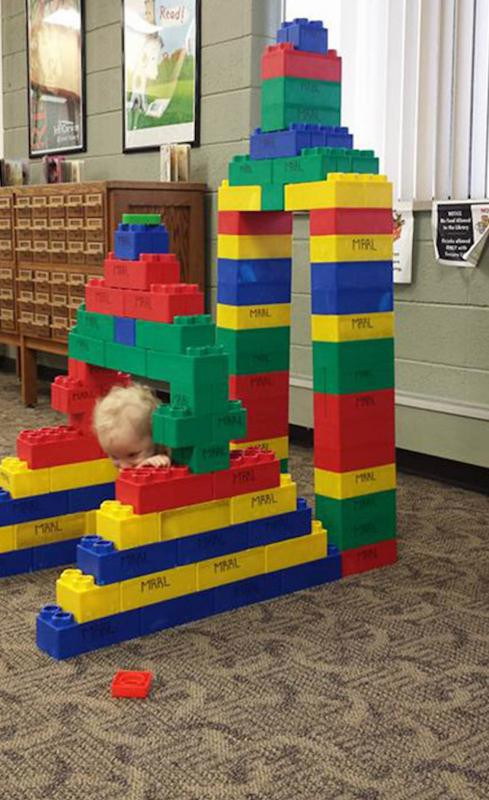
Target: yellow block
{"points": [[7, 538], [50, 529], [234, 246], [279, 445], [119, 524], [79, 594], [231, 567], [290, 552], [20, 481], [238, 198], [273, 315], [340, 190], [341, 485], [266, 502], [83, 473], [348, 327], [351, 247], [159, 586], [195, 519]]}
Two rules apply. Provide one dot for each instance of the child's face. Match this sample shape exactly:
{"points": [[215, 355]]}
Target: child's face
{"points": [[129, 449]]}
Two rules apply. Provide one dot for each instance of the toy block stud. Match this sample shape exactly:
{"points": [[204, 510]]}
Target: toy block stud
{"points": [[127, 683]]}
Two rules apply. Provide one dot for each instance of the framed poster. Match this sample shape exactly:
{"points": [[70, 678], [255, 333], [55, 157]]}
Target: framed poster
{"points": [[56, 76], [160, 49]]}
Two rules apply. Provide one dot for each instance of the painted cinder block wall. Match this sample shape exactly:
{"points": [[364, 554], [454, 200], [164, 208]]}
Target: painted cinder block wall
{"points": [[442, 319]]}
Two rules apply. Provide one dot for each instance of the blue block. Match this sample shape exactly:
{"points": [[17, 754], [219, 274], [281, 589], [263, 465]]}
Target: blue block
{"points": [[59, 635], [88, 497], [244, 593], [352, 301], [255, 271], [26, 509], [132, 240], [178, 611], [125, 331], [351, 287], [325, 570], [15, 561], [212, 544], [304, 34], [282, 526], [98, 557], [55, 554], [252, 294], [298, 137]]}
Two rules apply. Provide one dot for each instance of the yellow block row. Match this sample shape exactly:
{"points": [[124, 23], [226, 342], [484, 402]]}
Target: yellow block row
{"points": [[342, 485], [351, 247], [121, 525], [243, 247], [21, 481], [349, 327], [78, 593], [272, 315], [340, 190], [46, 531], [279, 445]]}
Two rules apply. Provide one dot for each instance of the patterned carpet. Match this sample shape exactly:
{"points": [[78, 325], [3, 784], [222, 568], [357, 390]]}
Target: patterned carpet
{"points": [[372, 688]]}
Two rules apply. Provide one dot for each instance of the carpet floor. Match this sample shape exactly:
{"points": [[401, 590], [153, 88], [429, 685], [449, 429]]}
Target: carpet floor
{"points": [[374, 687]]}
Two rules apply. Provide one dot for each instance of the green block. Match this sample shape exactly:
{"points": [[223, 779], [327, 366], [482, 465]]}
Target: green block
{"points": [[179, 427], [256, 350], [312, 165], [209, 458], [125, 358], [200, 399], [364, 161], [301, 92], [83, 348], [348, 367], [246, 171], [272, 197], [141, 219], [198, 366], [185, 331], [284, 465], [358, 521], [279, 117], [95, 325]]}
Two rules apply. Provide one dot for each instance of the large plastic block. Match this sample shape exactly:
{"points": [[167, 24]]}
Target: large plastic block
{"points": [[76, 393], [309, 35], [141, 219], [212, 544], [178, 427], [352, 301], [281, 526], [352, 327], [349, 367], [151, 268], [122, 356], [284, 60], [298, 137], [98, 557], [273, 198], [297, 550], [177, 611], [263, 315], [284, 465], [256, 350], [149, 489], [275, 246], [279, 445], [351, 287], [126, 529], [85, 349], [132, 240], [351, 247], [15, 562], [247, 294], [314, 573], [270, 418], [259, 387], [342, 485], [48, 530], [124, 331], [102, 299], [81, 474], [250, 470], [20, 481], [158, 586], [259, 272], [80, 595], [203, 458], [163, 302], [345, 458], [315, 164], [244, 171], [60, 636], [197, 330], [278, 116], [371, 556], [340, 191], [56, 554], [244, 223], [350, 221], [88, 497], [49, 447], [358, 521], [245, 592], [198, 379], [34, 507], [362, 417], [94, 325], [265, 502], [234, 566], [301, 92], [239, 198]]}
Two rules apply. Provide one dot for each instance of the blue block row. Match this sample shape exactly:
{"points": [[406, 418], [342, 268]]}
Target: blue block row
{"points": [[309, 35], [98, 557], [59, 635], [291, 142], [125, 331], [31, 559], [351, 287], [53, 504], [132, 240], [254, 281]]}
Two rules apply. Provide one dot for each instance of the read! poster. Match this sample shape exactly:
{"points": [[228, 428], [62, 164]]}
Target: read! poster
{"points": [[56, 115], [160, 72]]}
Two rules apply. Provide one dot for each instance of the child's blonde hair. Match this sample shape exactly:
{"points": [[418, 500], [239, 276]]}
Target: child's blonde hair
{"points": [[124, 406]]}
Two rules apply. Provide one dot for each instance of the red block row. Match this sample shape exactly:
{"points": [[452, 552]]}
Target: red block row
{"points": [[251, 223], [149, 489], [350, 220], [283, 60], [151, 268], [370, 556], [52, 447], [160, 304]]}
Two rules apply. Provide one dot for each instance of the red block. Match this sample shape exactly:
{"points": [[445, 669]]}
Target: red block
{"points": [[149, 489], [127, 683], [261, 385], [164, 302], [361, 418], [251, 469], [346, 459], [370, 556], [71, 396], [151, 268], [251, 223], [82, 422], [283, 60], [266, 397], [101, 298], [52, 447], [350, 220]]}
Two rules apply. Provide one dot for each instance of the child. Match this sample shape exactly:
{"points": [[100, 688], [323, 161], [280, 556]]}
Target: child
{"points": [[122, 423]]}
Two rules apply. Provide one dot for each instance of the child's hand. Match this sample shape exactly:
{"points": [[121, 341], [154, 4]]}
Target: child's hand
{"points": [[156, 461]]}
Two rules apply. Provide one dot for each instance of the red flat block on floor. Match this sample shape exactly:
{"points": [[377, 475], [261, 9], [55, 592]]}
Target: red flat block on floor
{"points": [[164, 302], [53, 447], [370, 556], [350, 220], [99, 297], [149, 489], [127, 683], [283, 60], [347, 459], [251, 469], [252, 223], [151, 268]]}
